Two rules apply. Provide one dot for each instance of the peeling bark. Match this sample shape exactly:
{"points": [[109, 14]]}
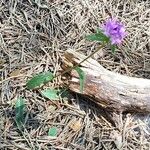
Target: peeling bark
{"points": [[108, 89]]}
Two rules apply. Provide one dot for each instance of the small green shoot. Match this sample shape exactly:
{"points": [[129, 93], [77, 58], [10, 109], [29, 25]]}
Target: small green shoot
{"points": [[39, 79], [52, 131], [19, 112], [51, 94], [81, 78]]}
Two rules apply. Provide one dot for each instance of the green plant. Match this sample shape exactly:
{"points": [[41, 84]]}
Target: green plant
{"points": [[112, 34], [19, 112]]}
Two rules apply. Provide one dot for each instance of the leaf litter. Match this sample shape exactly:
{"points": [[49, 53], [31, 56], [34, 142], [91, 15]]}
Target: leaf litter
{"points": [[34, 36]]}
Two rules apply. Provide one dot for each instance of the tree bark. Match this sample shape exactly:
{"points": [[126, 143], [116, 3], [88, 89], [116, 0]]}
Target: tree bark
{"points": [[108, 89]]}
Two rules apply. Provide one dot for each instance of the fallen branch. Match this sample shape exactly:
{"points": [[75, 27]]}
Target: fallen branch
{"points": [[108, 89]]}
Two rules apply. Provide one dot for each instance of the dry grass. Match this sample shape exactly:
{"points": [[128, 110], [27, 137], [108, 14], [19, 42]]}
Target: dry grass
{"points": [[33, 37]]}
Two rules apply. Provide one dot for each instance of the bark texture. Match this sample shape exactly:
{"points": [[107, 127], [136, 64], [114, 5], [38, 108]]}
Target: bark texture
{"points": [[108, 89]]}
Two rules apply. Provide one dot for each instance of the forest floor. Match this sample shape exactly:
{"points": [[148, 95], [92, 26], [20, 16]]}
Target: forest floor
{"points": [[34, 34]]}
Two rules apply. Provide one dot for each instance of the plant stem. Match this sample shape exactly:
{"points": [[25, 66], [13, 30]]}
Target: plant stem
{"points": [[69, 69]]}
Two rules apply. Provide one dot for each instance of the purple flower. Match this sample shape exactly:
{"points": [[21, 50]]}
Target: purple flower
{"points": [[114, 30]]}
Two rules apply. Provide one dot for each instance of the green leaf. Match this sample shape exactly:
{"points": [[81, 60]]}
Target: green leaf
{"points": [[19, 110], [52, 131], [50, 94], [99, 36], [81, 78], [113, 47], [39, 79]]}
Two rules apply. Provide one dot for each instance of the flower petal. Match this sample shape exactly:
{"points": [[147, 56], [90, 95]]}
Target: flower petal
{"points": [[114, 30]]}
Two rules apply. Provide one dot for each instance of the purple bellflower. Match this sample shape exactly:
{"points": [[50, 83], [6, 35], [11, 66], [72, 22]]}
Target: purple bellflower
{"points": [[115, 30]]}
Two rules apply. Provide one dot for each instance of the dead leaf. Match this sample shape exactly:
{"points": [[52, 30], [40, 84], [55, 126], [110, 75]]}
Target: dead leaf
{"points": [[75, 125], [15, 73]]}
